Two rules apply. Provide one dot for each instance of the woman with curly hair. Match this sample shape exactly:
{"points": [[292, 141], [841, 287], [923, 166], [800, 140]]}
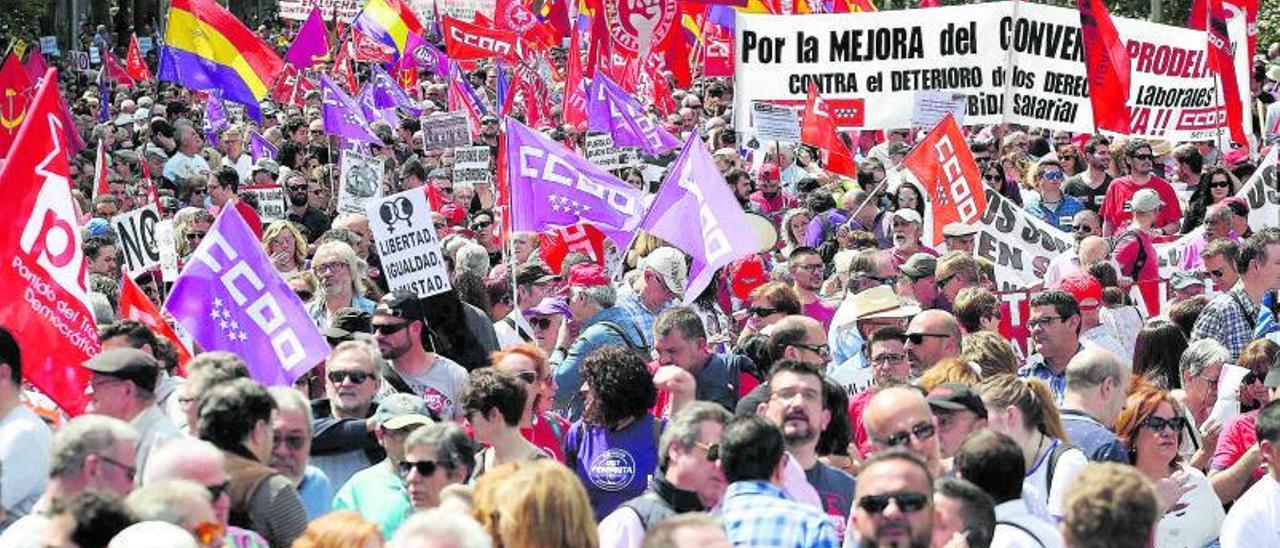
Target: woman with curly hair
{"points": [[286, 246], [614, 446], [795, 222], [1152, 428]]}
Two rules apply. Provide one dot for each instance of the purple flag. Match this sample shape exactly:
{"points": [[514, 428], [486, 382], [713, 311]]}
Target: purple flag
{"points": [[612, 109], [104, 96], [429, 57], [260, 147], [230, 298], [311, 44], [342, 116], [387, 93], [695, 211], [370, 109], [215, 119], [551, 186]]}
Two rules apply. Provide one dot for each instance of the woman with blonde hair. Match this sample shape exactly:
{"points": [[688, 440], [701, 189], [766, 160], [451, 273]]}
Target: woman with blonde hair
{"points": [[535, 504], [1024, 410], [990, 351], [340, 530], [949, 370], [794, 224], [286, 246]]}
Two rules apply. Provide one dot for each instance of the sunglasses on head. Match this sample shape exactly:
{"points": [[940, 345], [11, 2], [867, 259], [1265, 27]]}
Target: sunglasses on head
{"points": [[424, 467], [357, 377], [907, 502]]}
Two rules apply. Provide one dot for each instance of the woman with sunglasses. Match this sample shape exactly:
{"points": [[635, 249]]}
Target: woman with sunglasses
{"points": [[1023, 409], [1216, 185], [1048, 203], [1152, 428], [539, 424], [768, 304]]}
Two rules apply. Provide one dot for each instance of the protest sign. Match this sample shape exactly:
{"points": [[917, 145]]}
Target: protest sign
{"points": [[94, 57], [271, 201], [49, 45], [445, 130], [471, 165], [137, 236], [601, 152], [360, 181], [79, 59], [331, 10], [407, 243], [932, 106], [775, 123], [459, 9], [144, 44], [1019, 244], [168, 250], [1022, 66]]}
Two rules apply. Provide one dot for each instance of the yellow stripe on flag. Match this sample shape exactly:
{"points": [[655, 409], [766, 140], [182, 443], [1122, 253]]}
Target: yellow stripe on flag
{"points": [[190, 34]]}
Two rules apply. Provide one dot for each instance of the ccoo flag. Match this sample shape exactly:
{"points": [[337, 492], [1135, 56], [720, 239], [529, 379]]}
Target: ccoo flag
{"points": [[943, 163], [696, 212], [230, 298], [611, 109], [260, 147], [552, 186]]}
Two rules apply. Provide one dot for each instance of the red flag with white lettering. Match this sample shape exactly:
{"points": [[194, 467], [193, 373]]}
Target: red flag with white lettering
{"points": [[943, 163], [555, 244], [467, 42], [575, 91], [136, 305], [45, 270], [1222, 63], [15, 95], [819, 129], [133, 61]]}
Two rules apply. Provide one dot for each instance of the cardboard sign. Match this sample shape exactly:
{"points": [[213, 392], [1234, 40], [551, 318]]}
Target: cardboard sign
{"points": [[471, 165], [137, 233], [49, 45], [271, 202], [79, 59], [168, 250], [932, 106], [407, 243], [360, 182], [775, 123], [448, 130]]}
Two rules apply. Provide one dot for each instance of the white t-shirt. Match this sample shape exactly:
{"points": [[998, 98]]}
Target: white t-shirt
{"points": [[243, 166], [1016, 527], [25, 445], [440, 387], [1197, 524], [181, 166], [1069, 465], [1254, 520]]}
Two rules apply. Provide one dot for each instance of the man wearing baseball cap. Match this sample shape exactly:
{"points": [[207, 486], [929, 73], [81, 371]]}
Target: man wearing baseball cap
{"points": [[592, 302], [123, 387], [378, 492], [661, 278], [1134, 246], [400, 328], [534, 282], [906, 224], [958, 412], [1088, 293], [959, 236], [772, 200]]}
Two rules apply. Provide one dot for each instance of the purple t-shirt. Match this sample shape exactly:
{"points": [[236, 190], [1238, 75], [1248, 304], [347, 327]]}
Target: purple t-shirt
{"points": [[820, 311], [614, 466]]}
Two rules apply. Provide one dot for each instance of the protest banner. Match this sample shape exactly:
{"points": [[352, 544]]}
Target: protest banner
{"points": [[775, 123], [94, 57], [445, 130], [49, 45], [360, 181], [407, 243], [471, 165], [333, 11], [1022, 66], [465, 10], [600, 151], [137, 235], [79, 59], [1019, 244], [271, 201]]}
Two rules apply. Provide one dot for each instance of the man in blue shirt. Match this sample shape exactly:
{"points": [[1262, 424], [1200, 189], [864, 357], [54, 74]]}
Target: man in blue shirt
{"points": [[1096, 386]]}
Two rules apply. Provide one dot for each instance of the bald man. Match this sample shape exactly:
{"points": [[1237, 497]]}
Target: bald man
{"points": [[931, 336], [800, 338], [1089, 250], [899, 416]]}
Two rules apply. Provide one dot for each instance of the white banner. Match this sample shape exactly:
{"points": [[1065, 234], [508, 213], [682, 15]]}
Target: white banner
{"points": [[407, 243], [868, 66], [1019, 244], [137, 238], [775, 123], [271, 202], [360, 181], [332, 11]]}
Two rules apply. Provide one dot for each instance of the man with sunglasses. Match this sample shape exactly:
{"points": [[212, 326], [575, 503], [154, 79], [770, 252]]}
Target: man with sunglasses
{"points": [[401, 330], [534, 282], [918, 281], [342, 432], [1055, 328], [894, 504], [1232, 317], [378, 492], [291, 449], [1218, 260], [955, 270], [1052, 206], [300, 210], [931, 336], [899, 417], [199, 461], [1090, 186], [1116, 210], [690, 478]]}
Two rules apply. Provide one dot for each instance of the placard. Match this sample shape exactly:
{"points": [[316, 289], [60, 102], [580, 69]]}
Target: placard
{"points": [[360, 181], [144, 44], [271, 202], [136, 231], [932, 106], [168, 250], [775, 123], [445, 130], [332, 11], [79, 59], [94, 57], [407, 244], [471, 165], [49, 45]]}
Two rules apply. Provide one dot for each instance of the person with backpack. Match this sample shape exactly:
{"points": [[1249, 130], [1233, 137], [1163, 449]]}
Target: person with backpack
{"points": [[1135, 250]]}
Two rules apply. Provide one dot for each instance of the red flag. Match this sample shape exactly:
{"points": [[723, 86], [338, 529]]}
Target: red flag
{"points": [[342, 69], [943, 163], [819, 129], [598, 46], [1223, 63], [15, 89], [930, 3], [575, 93], [853, 6], [1247, 8], [35, 64], [555, 244], [115, 70], [369, 50], [466, 42], [1107, 65], [136, 305], [626, 35], [40, 240], [133, 61]]}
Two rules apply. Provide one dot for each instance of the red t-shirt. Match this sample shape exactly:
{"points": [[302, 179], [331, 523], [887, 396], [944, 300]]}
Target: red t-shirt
{"points": [[1237, 437], [544, 434], [1116, 209], [857, 404], [1128, 247], [820, 311]]}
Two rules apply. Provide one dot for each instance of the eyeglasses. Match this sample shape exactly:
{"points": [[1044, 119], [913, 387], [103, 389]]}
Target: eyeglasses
{"points": [[527, 376], [907, 502], [194, 236], [329, 267], [922, 431], [481, 225], [540, 323], [216, 491], [811, 267], [806, 395], [208, 532], [918, 338], [129, 471], [294, 443], [357, 377], [1173, 424], [991, 177], [1220, 184], [887, 358], [1083, 229], [1043, 322], [390, 328], [1146, 157], [1053, 176], [820, 350], [712, 449], [762, 312], [885, 280], [424, 467]]}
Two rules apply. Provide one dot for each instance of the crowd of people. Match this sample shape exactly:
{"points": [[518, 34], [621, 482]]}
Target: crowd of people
{"points": [[847, 386]]}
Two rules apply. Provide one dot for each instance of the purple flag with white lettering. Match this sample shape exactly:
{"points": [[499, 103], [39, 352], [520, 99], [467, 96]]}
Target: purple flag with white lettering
{"points": [[260, 147], [387, 93], [311, 44], [612, 109], [230, 298], [552, 186], [695, 211], [342, 116], [370, 108]]}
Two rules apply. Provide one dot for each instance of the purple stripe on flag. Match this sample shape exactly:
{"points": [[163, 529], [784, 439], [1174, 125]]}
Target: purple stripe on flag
{"points": [[612, 109], [342, 116], [260, 147]]}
